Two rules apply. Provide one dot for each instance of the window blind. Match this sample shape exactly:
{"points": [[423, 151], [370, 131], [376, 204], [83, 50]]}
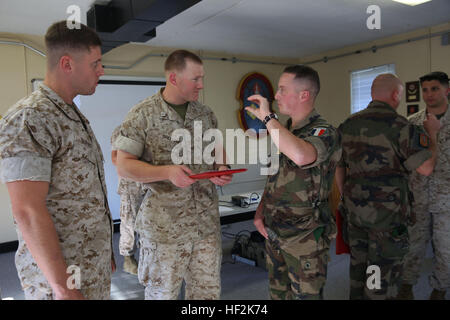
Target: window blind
{"points": [[361, 81]]}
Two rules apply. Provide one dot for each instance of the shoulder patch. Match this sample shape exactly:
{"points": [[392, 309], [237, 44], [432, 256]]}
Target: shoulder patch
{"points": [[424, 140], [318, 131]]}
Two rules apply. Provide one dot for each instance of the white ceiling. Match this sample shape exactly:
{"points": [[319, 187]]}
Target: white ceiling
{"points": [[279, 28]]}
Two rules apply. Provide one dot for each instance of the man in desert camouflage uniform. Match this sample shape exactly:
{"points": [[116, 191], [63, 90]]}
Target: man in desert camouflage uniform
{"points": [[294, 215], [431, 197], [178, 222], [379, 150], [131, 196], [53, 168]]}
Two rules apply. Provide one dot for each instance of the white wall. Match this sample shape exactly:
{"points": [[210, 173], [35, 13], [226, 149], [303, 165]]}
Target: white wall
{"points": [[106, 109]]}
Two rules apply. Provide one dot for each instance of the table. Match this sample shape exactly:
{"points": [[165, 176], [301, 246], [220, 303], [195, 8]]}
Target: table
{"points": [[230, 213]]}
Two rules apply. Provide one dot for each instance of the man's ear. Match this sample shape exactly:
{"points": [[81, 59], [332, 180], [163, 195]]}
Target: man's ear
{"points": [[65, 64], [173, 78], [396, 95], [304, 95]]}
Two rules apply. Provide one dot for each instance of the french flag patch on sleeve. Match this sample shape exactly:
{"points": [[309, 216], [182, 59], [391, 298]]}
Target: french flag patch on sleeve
{"points": [[318, 131]]}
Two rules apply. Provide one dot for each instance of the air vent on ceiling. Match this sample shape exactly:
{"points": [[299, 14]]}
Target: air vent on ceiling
{"points": [[123, 21]]}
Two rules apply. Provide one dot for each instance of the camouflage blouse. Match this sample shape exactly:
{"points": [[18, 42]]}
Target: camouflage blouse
{"points": [[44, 139]]}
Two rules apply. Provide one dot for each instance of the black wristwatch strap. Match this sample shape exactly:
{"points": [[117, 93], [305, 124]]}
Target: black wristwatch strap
{"points": [[270, 117]]}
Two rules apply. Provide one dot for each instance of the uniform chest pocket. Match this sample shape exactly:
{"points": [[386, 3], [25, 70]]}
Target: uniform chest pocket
{"points": [[82, 171], [161, 144], [84, 149]]}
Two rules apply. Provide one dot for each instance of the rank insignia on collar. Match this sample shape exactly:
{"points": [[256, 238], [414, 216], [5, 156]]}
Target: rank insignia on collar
{"points": [[318, 131]]}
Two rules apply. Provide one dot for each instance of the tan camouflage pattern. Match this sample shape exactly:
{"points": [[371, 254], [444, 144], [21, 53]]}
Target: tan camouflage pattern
{"points": [[125, 186], [130, 203], [91, 293], [44, 139], [131, 196], [432, 212], [432, 191], [170, 214], [298, 217], [163, 266]]}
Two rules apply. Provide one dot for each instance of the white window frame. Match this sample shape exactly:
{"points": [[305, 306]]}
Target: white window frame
{"points": [[360, 83]]}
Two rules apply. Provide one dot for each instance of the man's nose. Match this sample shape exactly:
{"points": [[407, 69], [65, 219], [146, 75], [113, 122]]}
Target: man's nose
{"points": [[101, 71]]}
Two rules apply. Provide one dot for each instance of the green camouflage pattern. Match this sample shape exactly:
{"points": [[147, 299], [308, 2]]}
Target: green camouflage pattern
{"points": [[296, 198], [382, 249], [379, 150], [297, 270], [298, 217]]}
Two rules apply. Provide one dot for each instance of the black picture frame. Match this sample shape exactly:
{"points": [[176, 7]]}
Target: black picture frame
{"points": [[412, 91]]}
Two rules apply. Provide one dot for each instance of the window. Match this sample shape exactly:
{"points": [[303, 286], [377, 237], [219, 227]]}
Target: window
{"points": [[361, 81]]}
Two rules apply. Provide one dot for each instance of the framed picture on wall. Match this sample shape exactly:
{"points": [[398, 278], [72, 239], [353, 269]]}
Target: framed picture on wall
{"points": [[411, 109], [412, 91], [253, 83]]}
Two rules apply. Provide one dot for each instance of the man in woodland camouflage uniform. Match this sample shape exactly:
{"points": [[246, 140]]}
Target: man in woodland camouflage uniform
{"points": [[53, 168], [431, 197], [379, 150], [178, 222], [294, 215], [131, 196]]}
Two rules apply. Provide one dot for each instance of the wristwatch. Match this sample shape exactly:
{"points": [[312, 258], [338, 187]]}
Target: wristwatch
{"points": [[270, 117]]}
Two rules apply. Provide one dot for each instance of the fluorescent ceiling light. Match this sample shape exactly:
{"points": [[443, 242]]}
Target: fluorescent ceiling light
{"points": [[412, 2]]}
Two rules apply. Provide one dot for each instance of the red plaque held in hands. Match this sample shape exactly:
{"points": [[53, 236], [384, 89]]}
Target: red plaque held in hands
{"points": [[210, 174]]}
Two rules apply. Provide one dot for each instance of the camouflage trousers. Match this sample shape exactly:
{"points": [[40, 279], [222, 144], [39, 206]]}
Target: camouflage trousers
{"points": [[93, 293], [434, 227], [384, 250], [297, 268], [163, 267], [129, 205]]}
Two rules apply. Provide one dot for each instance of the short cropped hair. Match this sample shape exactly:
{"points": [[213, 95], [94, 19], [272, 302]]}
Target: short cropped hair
{"points": [[442, 77], [303, 72], [384, 85], [177, 60], [60, 40]]}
